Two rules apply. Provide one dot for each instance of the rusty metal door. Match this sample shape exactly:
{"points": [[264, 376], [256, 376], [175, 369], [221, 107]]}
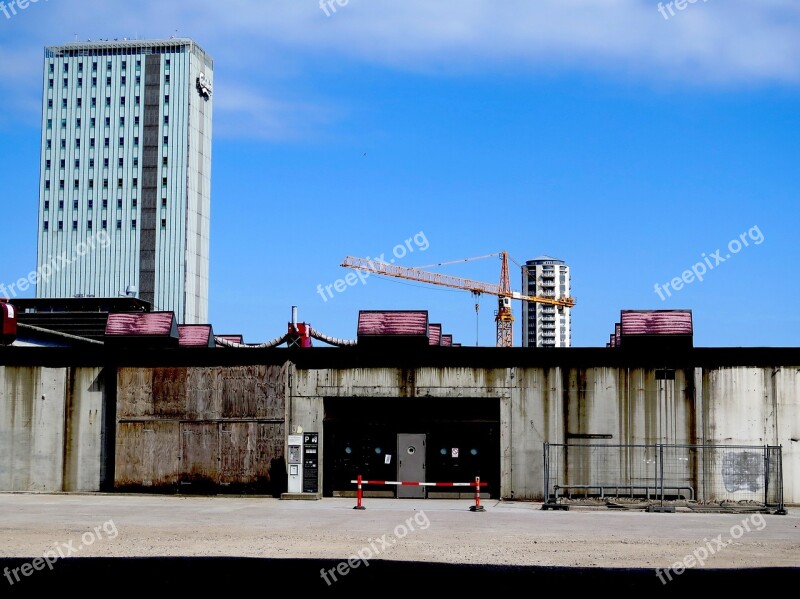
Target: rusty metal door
{"points": [[411, 464]]}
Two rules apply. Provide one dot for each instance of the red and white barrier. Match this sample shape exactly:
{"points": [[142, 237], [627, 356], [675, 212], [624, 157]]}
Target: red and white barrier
{"points": [[477, 484]]}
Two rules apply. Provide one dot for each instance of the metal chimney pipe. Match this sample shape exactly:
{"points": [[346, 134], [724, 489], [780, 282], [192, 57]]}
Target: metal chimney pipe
{"points": [[294, 316]]}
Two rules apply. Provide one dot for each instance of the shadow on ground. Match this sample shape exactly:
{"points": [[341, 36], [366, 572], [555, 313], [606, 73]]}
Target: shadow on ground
{"points": [[148, 575]]}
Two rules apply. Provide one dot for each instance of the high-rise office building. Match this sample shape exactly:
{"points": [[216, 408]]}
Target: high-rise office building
{"points": [[124, 200], [544, 325]]}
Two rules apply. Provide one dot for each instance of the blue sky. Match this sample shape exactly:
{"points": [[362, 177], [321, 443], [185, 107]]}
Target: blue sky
{"points": [[599, 132]]}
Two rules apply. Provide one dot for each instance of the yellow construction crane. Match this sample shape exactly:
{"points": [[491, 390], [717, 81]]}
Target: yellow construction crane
{"points": [[504, 316]]}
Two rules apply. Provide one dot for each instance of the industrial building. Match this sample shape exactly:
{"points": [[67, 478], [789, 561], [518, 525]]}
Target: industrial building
{"points": [[153, 408], [545, 325], [125, 181]]}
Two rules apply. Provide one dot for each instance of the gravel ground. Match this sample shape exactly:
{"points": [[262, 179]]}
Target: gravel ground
{"points": [[509, 533]]}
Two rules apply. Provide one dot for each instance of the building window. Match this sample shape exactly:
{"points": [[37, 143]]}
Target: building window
{"points": [[47, 184], [136, 120], [122, 101], [166, 99], [119, 225], [49, 144], [63, 103], [136, 101], [49, 123], [66, 67], [46, 225], [94, 81], [50, 84], [119, 203], [60, 204], [77, 163], [61, 225], [166, 140], [133, 224], [120, 162], [105, 162], [135, 182], [66, 82], [135, 162], [91, 142], [108, 101], [122, 141], [108, 80], [124, 64], [80, 67], [108, 65], [105, 225], [91, 204], [122, 80], [134, 202], [78, 122], [119, 182], [138, 79], [80, 81], [122, 121], [77, 143], [47, 164], [166, 119], [94, 65], [61, 184], [105, 203], [164, 161], [94, 102], [77, 184], [63, 123], [74, 225], [105, 143], [163, 223], [63, 143], [135, 141], [138, 64], [164, 202], [163, 180], [89, 225], [91, 162], [91, 183], [51, 68], [166, 78], [74, 204], [50, 104], [47, 204]]}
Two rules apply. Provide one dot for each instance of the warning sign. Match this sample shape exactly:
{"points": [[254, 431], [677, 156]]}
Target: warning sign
{"points": [[454, 452]]}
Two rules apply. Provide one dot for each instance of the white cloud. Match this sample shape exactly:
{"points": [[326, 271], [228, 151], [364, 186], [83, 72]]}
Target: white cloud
{"points": [[268, 45]]}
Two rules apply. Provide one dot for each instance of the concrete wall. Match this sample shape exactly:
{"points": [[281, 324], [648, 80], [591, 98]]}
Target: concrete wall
{"points": [[748, 406], [51, 429], [57, 443]]}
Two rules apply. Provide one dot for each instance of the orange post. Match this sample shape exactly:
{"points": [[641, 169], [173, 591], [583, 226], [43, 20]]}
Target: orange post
{"points": [[359, 494], [477, 507]]}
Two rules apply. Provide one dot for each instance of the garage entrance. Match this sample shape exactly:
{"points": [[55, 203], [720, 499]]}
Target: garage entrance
{"points": [[419, 439]]}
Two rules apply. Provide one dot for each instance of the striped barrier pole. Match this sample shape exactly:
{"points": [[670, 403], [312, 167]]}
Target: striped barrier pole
{"points": [[477, 507], [360, 495], [474, 508]]}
